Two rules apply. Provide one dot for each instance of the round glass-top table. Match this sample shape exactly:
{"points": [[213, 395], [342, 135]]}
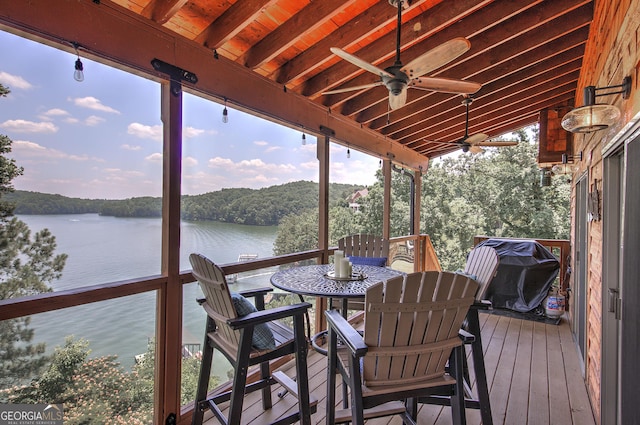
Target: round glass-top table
{"points": [[315, 280]]}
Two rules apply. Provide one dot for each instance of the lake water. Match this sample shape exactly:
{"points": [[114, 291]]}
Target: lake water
{"points": [[108, 249]]}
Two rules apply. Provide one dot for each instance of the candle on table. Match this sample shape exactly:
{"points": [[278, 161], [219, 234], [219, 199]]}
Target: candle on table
{"points": [[337, 262]]}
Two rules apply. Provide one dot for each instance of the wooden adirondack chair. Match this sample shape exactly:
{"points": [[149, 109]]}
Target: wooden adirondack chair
{"points": [[362, 245], [482, 262], [366, 246], [411, 331], [233, 336]]}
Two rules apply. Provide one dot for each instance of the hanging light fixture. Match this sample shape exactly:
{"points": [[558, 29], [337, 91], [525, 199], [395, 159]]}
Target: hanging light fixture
{"points": [[596, 116], [78, 73], [348, 152], [545, 176], [225, 113]]}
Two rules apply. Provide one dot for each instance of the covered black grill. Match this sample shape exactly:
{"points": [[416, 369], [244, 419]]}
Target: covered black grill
{"points": [[525, 274]]}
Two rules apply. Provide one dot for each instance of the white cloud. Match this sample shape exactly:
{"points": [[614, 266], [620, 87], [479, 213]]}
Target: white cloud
{"points": [[31, 150], [91, 102], [54, 113], [14, 81], [221, 162], [260, 143], [154, 157], [145, 131], [93, 120], [71, 120], [154, 132], [23, 126], [130, 147], [252, 168], [189, 161], [189, 132], [273, 149]]}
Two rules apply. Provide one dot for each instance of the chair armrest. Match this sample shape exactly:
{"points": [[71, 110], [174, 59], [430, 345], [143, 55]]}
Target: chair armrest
{"points": [[348, 335], [466, 337], [481, 305], [264, 316], [255, 292]]}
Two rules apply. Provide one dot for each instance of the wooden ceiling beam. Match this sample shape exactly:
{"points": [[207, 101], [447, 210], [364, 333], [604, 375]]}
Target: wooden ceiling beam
{"points": [[464, 27], [504, 67], [161, 11], [502, 115], [568, 60], [356, 30], [443, 15], [490, 49], [439, 115], [236, 18], [452, 122], [481, 112], [284, 36]]}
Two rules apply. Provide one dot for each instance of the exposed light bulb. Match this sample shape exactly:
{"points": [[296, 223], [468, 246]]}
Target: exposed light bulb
{"points": [[348, 153], [380, 163], [304, 139], [225, 115], [78, 74]]}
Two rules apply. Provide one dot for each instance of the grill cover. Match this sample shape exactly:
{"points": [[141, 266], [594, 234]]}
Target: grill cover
{"points": [[525, 274]]}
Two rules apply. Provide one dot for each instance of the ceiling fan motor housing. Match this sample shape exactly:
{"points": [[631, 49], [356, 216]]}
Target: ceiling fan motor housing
{"points": [[397, 83]]}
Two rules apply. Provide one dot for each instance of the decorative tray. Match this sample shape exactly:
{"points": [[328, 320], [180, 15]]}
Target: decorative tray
{"points": [[354, 276]]}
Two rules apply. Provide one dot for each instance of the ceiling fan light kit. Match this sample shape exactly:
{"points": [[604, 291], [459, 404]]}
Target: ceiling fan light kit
{"points": [[594, 116]]}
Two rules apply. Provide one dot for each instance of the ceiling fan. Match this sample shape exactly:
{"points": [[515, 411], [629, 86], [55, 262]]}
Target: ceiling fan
{"points": [[476, 142], [398, 77]]}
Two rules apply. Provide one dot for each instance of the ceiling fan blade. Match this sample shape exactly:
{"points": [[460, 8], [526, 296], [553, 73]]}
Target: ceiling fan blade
{"points": [[497, 143], [437, 57], [476, 139], [359, 62], [398, 101], [475, 149], [446, 85], [354, 88]]}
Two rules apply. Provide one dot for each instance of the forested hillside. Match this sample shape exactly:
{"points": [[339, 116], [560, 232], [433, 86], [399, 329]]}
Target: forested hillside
{"points": [[263, 207]]}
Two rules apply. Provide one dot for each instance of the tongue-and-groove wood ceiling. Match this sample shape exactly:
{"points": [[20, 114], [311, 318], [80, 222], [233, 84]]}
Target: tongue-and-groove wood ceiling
{"points": [[527, 55]]}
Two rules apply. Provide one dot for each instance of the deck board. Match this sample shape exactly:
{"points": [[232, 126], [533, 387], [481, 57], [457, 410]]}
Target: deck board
{"points": [[533, 373]]}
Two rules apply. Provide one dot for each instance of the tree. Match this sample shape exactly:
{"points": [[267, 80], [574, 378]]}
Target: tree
{"points": [[27, 266], [495, 193]]}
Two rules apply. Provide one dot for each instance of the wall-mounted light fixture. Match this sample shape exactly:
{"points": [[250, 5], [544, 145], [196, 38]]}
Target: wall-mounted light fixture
{"points": [[568, 165], [596, 116]]}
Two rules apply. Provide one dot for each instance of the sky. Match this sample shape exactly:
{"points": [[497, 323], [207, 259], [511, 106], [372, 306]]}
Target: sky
{"points": [[102, 138]]}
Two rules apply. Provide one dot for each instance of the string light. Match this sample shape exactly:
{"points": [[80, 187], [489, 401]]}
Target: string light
{"points": [[348, 152], [304, 139], [78, 73], [225, 113]]}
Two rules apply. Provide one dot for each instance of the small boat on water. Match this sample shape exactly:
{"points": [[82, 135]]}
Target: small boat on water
{"points": [[242, 257]]}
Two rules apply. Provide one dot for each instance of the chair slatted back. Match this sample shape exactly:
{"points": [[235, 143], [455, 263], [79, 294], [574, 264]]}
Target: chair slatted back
{"points": [[482, 263], [362, 245], [412, 324], [219, 305]]}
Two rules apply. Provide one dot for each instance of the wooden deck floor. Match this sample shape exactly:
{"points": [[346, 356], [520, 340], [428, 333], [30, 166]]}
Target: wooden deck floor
{"points": [[533, 374]]}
